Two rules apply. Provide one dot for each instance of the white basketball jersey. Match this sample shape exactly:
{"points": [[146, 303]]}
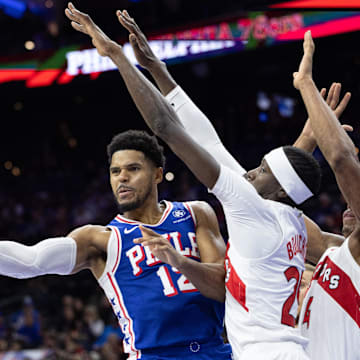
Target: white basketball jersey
{"points": [[330, 316], [262, 294]]}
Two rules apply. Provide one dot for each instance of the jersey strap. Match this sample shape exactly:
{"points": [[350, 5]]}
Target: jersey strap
{"points": [[337, 284]]}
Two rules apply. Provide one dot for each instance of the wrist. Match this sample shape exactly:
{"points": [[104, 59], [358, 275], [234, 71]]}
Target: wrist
{"points": [[180, 262], [305, 82], [156, 66], [113, 49]]}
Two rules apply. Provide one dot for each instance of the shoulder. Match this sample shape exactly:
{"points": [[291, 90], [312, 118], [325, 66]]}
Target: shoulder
{"points": [[204, 213], [90, 233], [201, 208]]}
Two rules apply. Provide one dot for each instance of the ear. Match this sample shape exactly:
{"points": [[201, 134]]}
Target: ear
{"points": [[159, 175]]}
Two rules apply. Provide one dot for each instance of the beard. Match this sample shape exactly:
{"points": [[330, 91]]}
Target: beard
{"points": [[347, 230], [136, 203]]}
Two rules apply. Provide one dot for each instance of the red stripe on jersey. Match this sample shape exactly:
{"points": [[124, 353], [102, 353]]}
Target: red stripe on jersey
{"points": [[126, 317], [118, 249], [191, 213], [165, 214], [121, 219], [339, 286], [234, 284]]}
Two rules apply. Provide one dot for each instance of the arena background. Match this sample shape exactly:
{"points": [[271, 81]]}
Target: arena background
{"points": [[53, 163]]}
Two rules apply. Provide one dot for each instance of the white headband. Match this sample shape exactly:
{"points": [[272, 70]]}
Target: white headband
{"points": [[287, 176]]}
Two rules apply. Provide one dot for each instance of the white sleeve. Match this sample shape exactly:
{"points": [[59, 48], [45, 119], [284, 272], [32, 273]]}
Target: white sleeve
{"points": [[199, 127], [251, 220], [51, 256]]}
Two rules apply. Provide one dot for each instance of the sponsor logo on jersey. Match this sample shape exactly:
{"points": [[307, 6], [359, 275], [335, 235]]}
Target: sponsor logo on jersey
{"points": [[178, 213]]}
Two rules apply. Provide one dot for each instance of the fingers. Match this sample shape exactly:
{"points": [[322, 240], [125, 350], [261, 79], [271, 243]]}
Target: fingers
{"points": [[347, 128], [78, 27], [153, 241], [330, 93], [309, 46], [343, 104], [127, 22], [134, 40], [77, 16], [335, 96], [323, 92]]}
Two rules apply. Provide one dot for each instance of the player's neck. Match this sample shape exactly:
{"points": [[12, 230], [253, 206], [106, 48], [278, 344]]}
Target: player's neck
{"points": [[149, 213], [354, 243]]}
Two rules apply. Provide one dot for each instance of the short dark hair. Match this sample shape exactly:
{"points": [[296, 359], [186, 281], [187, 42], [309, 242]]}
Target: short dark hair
{"points": [[306, 166], [140, 141]]}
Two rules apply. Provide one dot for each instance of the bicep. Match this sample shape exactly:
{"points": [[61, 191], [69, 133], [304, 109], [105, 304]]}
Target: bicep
{"points": [[210, 242], [91, 241], [318, 241], [348, 178]]}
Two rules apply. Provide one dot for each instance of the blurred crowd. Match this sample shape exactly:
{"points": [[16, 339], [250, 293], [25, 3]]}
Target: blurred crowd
{"points": [[67, 327]]}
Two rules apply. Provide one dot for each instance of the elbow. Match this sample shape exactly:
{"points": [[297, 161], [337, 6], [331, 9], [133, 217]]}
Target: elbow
{"points": [[164, 126], [341, 159], [161, 127]]}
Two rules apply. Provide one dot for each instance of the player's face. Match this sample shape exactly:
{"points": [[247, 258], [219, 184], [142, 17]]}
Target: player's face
{"points": [[305, 282], [133, 179], [264, 181], [349, 222]]}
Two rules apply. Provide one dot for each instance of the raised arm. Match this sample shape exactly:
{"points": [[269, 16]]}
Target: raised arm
{"points": [[332, 139], [145, 55], [156, 111], [195, 122], [306, 140]]}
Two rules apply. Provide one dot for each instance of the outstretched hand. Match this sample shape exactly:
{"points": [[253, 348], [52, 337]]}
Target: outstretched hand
{"points": [[83, 23], [332, 100], [159, 247], [144, 55], [305, 69]]}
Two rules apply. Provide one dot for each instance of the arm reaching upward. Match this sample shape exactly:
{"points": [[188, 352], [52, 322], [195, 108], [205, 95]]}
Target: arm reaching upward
{"points": [[195, 122], [144, 54], [155, 109], [333, 141], [306, 140]]}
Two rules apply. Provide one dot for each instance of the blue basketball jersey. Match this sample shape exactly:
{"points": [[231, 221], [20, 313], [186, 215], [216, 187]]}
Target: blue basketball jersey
{"points": [[157, 307]]}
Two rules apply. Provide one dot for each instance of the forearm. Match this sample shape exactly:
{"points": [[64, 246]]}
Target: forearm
{"points": [[208, 278], [154, 108], [305, 142], [199, 127], [51, 256], [195, 122], [163, 121], [159, 72], [325, 125]]}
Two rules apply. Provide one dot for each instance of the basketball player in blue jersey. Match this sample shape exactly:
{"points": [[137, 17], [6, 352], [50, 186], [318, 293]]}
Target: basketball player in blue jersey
{"points": [[164, 312], [161, 313]]}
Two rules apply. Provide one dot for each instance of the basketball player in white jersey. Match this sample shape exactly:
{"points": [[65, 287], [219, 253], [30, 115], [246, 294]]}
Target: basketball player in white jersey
{"points": [[330, 316], [268, 235], [200, 128]]}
